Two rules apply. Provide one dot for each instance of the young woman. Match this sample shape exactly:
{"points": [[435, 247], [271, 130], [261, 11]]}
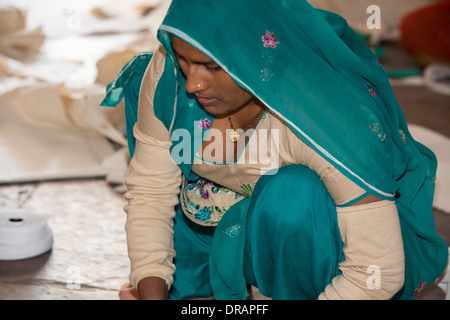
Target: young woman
{"points": [[269, 150]]}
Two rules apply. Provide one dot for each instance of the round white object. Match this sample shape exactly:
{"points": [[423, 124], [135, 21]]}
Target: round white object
{"points": [[23, 235]]}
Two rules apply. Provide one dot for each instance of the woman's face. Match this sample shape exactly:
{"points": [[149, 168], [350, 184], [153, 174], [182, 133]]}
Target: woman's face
{"points": [[214, 88]]}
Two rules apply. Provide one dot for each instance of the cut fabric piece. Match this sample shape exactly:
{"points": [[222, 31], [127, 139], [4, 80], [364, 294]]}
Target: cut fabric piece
{"points": [[15, 40], [437, 78], [41, 139]]}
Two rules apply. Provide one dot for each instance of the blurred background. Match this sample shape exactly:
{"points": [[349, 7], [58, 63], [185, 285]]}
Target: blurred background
{"points": [[64, 157]]}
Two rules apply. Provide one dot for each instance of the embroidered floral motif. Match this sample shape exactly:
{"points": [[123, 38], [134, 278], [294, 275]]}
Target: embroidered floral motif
{"points": [[234, 230], [194, 206], [199, 188], [403, 136], [203, 214], [375, 127], [205, 124], [371, 90], [265, 114], [422, 286], [270, 40], [157, 74], [200, 201], [379, 62], [204, 193], [247, 189], [225, 191]]}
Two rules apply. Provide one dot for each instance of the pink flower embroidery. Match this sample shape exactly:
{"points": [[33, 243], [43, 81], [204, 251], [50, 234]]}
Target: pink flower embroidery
{"points": [[269, 40], [205, 124], [379, 62], [371, 91], [422, 286]]}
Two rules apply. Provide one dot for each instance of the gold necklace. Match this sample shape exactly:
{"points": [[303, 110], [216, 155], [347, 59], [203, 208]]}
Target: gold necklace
{"points": [[234, 134]]}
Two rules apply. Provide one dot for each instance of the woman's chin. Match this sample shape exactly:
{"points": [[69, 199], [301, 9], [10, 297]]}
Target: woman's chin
{"points": [[215, 110]]}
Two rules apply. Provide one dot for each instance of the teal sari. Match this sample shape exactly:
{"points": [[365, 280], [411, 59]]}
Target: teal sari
{"points": [[310, 68]]}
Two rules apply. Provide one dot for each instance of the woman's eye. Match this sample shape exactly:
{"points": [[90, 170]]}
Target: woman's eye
{"points": [[180, 59], [214, 68]]}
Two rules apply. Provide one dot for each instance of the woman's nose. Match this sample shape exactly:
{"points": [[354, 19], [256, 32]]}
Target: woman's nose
{"points": [[195, 81]]}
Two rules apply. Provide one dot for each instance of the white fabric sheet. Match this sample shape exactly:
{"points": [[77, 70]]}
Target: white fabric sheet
{"points": [[440, 145]]}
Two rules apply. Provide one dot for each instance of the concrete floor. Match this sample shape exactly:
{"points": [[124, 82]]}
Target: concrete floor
{"points": [[89, 258]]}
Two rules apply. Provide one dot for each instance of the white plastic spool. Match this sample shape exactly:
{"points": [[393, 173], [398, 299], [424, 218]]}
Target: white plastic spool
{"points": [[23, 235]]}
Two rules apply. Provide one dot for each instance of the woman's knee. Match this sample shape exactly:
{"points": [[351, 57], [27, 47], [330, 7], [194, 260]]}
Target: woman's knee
{"points": [[290, 182], [291, 198]]}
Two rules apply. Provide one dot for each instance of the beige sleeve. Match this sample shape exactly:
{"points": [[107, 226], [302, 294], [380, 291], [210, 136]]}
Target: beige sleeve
{"points": [[374, 264], [153, 184]]}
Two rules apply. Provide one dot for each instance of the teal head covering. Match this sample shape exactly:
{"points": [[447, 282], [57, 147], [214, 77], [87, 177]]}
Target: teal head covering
{"points": [[309, 67]]}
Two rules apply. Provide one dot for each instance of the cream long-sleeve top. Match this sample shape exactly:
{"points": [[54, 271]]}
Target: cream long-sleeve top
{"points": [[373, 267]]}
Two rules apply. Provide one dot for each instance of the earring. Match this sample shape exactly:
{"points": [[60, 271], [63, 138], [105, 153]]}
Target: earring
{"points": [[199, 86]]}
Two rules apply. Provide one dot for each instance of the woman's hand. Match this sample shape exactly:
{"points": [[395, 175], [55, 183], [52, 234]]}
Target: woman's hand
{"points": [[152, 288]]}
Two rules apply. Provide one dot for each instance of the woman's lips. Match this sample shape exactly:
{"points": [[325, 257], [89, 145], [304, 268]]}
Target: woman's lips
{"points": [[206, 101]]}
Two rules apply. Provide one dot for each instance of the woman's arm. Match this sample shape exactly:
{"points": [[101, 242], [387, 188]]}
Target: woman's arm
{"points": [[374, 262], [153, 184]]}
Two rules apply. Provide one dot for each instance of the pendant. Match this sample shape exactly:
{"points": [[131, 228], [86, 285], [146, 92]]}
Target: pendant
{"points": [[234, 136]]}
